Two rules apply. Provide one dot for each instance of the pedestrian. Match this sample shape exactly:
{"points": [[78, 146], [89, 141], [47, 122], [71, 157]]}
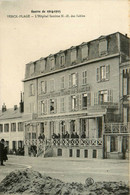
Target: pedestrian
{"points": [[5, 151], [2, 152]]}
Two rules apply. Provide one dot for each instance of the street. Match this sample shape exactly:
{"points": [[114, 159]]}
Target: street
{"points": [[70, 170]]}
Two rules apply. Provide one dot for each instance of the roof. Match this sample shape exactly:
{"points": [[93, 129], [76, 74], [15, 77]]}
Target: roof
{"points": [[10, 114]]}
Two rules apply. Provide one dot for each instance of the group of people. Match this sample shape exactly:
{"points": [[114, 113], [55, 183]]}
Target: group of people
{"points": [[3, 152], [67, 135]]}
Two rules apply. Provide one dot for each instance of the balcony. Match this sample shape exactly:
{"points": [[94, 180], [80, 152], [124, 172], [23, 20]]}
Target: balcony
{"points": [[116, 128]]}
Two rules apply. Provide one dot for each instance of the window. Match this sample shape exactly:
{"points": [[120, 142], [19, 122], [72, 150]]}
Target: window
{"points": [[1, 128], [59, 152], [33, 135], [103, 96], [31, 69], [84, 52], [20, 126], [52, 127], [84, 77], [72, 126], [43, 86], [52, 106], [103, 73], [73, 102], [43, 107], [73, 55], [52, 63], [85, 153], [52, 85], [32, 91], [94, 153], [70, 152], [43, 65], [14, 145], [103, 47], [13, 127], [62, 82], [73, 80], [62, 105], [62, 60], [6, 127], [20, 144], [85, 100], [78, 153], [114, 144], [62, 127]]}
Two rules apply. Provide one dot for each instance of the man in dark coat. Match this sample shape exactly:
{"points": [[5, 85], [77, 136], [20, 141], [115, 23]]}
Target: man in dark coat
{"points": [[2, 152]]}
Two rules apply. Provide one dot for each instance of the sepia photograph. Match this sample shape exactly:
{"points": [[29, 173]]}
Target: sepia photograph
{"points": [[64, 97]]}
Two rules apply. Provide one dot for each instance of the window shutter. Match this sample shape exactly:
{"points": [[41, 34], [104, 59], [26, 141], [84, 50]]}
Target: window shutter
{"points": [[55, 105], [95, 98], [89, 99], [69, 103], [80, 101], [45, 106], [69, 81], [110, 96], [76, 78], [77, 102], [107, 72], [98, 74]]}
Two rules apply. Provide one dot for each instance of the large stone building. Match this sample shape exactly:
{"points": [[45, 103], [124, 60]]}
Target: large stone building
{"points": [[79, 100]]}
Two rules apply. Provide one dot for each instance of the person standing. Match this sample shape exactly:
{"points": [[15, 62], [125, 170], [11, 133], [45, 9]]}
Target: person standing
{"points": [[2, 152]]}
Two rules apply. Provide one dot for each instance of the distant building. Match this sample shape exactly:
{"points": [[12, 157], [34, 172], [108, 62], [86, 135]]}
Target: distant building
{"points": [[79, 100]]}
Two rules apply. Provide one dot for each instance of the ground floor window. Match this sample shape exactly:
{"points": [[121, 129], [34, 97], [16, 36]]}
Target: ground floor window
{"points": [[94, 153], [85, 153], [78, 153], [59, 152], [14, 145], [70, 153], [114, 144]]}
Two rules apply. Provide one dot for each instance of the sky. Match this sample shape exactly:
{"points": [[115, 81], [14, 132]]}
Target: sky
{"points": [[23, 40]]}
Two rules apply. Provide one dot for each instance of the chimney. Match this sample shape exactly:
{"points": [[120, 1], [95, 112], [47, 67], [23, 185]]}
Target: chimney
{"points": [[4, 107], [126, 35], [21, 103]]}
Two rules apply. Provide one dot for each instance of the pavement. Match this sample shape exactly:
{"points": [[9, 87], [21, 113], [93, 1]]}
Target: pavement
{"points": [[70, 169]]}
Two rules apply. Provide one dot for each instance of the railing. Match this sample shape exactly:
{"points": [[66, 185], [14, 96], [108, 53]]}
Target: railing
{"points": [[117, 128], [77, 142], [66, 142]]}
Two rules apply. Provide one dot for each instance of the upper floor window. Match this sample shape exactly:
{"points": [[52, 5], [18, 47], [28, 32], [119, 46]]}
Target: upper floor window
{"points": [[84, 100], [84, 77], [43, 107], [20, 126], [103, 96], [62, 104], [73, 102], [52, 106], [103, 47], [32, 91], [103, 73], [73, 55], [13, 126], [43, 86], [52, 63], [62, 82], [52, 85], [73, 79], [1, 128], [6, 127], [84, 52], [62, 59]]}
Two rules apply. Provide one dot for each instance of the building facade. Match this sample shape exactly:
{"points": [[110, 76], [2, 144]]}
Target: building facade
{"points": [[78, 97]]}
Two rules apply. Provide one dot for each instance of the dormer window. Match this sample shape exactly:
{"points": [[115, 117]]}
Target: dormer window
{"points": [[103, 47], [62, 59], [43, 65], [52, 63], [84, 52], [31, 69], [73, 55]]}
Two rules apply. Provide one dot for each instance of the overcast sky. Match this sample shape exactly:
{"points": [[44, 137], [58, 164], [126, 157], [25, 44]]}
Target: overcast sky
{"points": [[24, 40]]}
